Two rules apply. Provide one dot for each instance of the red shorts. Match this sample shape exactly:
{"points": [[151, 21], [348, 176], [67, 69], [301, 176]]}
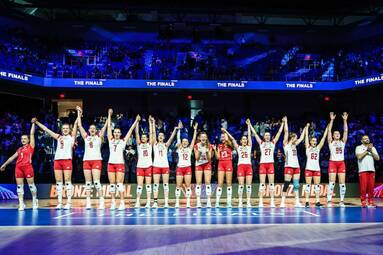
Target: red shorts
{"points": [[113, 168], [25, 171], [160, 170], [204, 167], [310, 173], [92, 164], [244, 170], [266, 168], [62, 164], [147, 171], [182, 171], [225, 165], [335, 167], [292, 170]]}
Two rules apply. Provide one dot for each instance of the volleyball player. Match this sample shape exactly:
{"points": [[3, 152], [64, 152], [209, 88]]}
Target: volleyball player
{"points": [[266, 166], [312, 170], [203, 152], [92, 161], [245, 170], [144, 163], [116, 163], [184, 171], [24, 168], [63, 161], [223, 153], [336, 165], [161, 163], [292, 169]]}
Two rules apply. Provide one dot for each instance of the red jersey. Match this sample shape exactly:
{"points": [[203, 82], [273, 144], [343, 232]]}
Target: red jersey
{"points": [[25, 155], [225, 152]]}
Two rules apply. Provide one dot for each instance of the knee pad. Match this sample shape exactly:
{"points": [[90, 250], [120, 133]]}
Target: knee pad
{"points": [[120, 187], [198, 190], [296, 185], [208, 190], [20, 189], [219, 191], [240, 189], [248, 189], [262, 187], [148, 188], [331, 186], [188, 192], [112, 188], [69, 189], [178, 192], [88, 186], [271, 187], [59, 188], [97, 185], [317, 188], [156, 187], [307, 188], [229, 190], [286, 185], [342, 189], [166, 187], [139, 189], [32, 188]]}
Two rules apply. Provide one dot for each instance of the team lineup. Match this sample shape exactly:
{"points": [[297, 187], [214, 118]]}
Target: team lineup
{"points": [[153, 164]]}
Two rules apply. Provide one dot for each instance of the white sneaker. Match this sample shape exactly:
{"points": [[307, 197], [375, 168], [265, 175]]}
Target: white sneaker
{"points": [[155, 205], [147, 205], [122, 206], [217, 204], [177, 205], [341, 204], [35, 204], [272, 204], [260, 205], [59, 206], [240, 204], [248, 205], [199, 205], [101, 204], [137, 204], [329, 204], [166, 204], [208, 203], [188, 203], [68, 206], [88, 205], [228, 204], [282, 205], [113, 206], [21, 207], [298, 204]]}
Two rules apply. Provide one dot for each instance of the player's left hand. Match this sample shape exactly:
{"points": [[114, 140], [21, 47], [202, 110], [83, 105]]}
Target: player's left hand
{"points": [[345, 115]]}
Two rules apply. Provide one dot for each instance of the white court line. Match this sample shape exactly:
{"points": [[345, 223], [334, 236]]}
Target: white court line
{"points": [[64, 215], [316, 215], [188, 217]]}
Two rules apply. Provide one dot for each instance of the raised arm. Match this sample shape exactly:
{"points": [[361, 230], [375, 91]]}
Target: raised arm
{"points": [[47, 130], [102, 131], [249, 140], [345, 127], [132, 128], [74, 130], [286, 131], [154, 136], [329, 133], [276, 138], [79, 122], [235, 144], [195, 126], [321, 143], [307, 142], [138, 141], [10, 160], [109, 124], [32, 140], [257, 138], [179, 136], [302, 134], [171, 138]]}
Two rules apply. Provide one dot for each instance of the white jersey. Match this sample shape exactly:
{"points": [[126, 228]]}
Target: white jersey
{"points": [[160, 155], [366, 163], [337, 150], [92, 148], [312, 162], [267, 152], [116, 149], [244, 155], [203, 150], [144, 155], [64, 148], [291, 155], [184, 157]]}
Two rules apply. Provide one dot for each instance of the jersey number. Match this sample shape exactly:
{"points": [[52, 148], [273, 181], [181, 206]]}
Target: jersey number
{"points": [[267, 152], [314, 156], [338, 150], [91, 144], [223, 154], [145, 153], [185, 156], [244, 154]]}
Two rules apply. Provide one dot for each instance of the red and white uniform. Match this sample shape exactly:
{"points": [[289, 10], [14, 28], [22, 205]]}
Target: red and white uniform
{"points": [[291, 159], [160, 163], [312, 163], [145, 163], [225, 162], [203, 163], [366, 169], [266, 164], [92, 156], [116, 161], [64, 151], [24, 167], [336, 164], [244, 161], [184, 161]]}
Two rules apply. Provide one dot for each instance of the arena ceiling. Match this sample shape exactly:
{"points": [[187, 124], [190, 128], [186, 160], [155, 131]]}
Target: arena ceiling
{"points": [[226, 12]]}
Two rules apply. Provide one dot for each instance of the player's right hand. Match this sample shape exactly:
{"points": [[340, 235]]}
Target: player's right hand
{"points": [[332, 115], [110, 111], [2, 168], [33, 120]]}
